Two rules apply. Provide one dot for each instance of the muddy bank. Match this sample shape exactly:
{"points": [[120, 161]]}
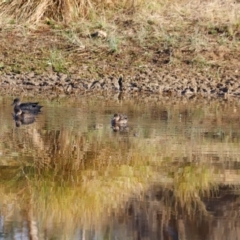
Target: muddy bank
{"points": [[46, 61], [155, 81]]}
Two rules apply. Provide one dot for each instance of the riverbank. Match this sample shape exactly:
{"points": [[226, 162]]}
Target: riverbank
{"points": [[172, 82], [177, 50]]}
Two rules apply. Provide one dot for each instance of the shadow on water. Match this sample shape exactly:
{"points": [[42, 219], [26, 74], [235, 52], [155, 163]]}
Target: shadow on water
{"points": [[172, 175]]}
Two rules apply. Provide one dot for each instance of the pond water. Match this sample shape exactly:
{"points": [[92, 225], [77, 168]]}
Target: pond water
{"points": [[173, 173]]}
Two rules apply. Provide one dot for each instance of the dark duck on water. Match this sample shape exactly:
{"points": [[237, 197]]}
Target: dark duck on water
{"points": [[32, 107], [119, 122]]}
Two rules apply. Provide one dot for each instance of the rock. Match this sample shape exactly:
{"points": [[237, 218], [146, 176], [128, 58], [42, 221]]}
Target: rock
{"points": [[53, 77], [30, 75], [62, 77], [96, 86], [98, 33], [68, 89]]}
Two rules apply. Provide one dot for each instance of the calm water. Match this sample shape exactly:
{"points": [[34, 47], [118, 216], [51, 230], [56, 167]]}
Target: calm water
{"points": [[172, 174]]}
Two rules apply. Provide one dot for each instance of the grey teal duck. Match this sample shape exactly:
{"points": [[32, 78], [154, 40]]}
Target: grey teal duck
{"points": [[32, 107]]}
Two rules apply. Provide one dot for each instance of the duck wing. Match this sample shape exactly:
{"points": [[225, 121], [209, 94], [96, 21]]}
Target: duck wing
{"points": [[29, 106]]}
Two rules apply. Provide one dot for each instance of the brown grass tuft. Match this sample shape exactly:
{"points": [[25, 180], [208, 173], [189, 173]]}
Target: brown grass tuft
{"points": [[63, 10], [167, 11]]}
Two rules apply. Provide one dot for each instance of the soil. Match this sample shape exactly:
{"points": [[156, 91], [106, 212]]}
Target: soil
{"points": [[42, 62]]}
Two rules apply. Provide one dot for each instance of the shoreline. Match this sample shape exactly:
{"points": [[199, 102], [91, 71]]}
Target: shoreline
{"points": [[157, 82]]}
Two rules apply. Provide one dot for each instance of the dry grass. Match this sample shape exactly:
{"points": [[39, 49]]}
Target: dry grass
{"points": [[67, 10], [204, 34], [168, 12]]}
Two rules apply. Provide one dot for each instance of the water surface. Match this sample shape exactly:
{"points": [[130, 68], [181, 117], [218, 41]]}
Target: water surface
{"points": [[172, 174]]}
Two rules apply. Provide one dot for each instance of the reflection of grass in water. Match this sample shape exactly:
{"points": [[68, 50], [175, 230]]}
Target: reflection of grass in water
{"points": [[191, 182], [88, 195], [81, 176], [82, 197]]}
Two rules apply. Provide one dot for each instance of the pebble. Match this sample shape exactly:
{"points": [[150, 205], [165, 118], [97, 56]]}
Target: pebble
{"points": [[160, 83]]}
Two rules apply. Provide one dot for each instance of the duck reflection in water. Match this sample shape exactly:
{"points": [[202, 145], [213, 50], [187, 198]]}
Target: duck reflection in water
{"points": [[119, 123], [24, 117]]}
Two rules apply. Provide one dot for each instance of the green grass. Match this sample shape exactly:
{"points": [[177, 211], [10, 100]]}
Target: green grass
{"points": [[57, 61]]}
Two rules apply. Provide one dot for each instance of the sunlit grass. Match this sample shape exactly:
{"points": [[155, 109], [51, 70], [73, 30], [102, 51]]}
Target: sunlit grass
{"points": [[57, 61]]}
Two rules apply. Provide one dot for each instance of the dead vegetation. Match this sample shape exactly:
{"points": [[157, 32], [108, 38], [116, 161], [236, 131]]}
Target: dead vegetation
{"points": [[167, 11], [66, 10], [107, 37]]}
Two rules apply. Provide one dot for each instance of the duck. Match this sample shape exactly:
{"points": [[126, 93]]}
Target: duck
{"points": [[119, 123], [119, 119], [29, 106]]}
